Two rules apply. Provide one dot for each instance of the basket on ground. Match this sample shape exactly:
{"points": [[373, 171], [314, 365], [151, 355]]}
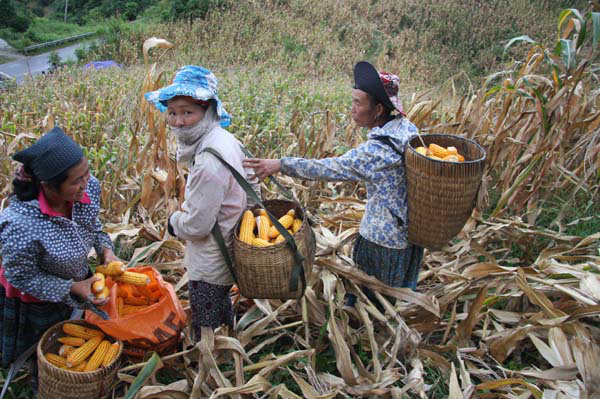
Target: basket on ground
{"points": [[60, 383], [264, 272], [441, 194]]}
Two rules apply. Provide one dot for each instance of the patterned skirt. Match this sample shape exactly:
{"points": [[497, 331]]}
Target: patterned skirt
{"points": [[211, 306], [394, 267], [22, 324]]}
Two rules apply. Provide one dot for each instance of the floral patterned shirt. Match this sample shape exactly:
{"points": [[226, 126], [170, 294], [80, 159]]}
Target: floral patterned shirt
{"points": [[381, 167], [43, 254]]}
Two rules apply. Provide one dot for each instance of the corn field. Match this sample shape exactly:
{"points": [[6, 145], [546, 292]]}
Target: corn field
{"points": [[509, 308]]}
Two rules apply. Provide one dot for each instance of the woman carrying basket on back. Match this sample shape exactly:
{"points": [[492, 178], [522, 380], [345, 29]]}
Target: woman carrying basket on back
{"points": [[381, 249], [197, 118]]}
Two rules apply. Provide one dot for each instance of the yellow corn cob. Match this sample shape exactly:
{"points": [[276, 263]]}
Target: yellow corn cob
{"points": [[79, 368], [134, 278], [72, 341], [111, 354], [259, 242], [123, 290], [421, 150], [264, 224], [279, 239], [104, 294], [82, 353], [114, 268], [296, 225], [460, 158], [450, 158], [135, 300], [129, 309], [247, 227], [286, 221], [120, 302], [452, 151], [65, 349], [96, 359], [438, 150], [98, 285], [76, 330], [56, 360]]}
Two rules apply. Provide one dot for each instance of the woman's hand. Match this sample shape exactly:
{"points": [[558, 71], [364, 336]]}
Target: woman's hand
{"points": [[83, 289], [109, 256], [263, 167]]}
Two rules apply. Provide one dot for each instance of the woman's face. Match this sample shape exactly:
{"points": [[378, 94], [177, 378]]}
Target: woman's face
{"points": [[363, 111], [73, 188], [184, 112]]}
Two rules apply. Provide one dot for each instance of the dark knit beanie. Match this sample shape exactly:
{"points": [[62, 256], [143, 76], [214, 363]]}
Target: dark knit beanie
{"points": [[51, 155]]}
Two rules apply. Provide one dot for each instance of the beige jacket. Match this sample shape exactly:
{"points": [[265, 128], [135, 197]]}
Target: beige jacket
{"points": [[211, 194]]}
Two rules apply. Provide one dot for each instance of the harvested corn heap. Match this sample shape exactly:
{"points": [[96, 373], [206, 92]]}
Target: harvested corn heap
{"points": [[259, 231], [439, 153], [135, 291], [83, 349]]}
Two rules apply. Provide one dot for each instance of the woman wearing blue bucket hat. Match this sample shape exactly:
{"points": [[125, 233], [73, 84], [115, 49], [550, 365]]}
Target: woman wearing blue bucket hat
{"points": [[197, 118], [381, 249]]}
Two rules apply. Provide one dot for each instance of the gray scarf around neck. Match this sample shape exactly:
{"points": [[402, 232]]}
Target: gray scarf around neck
{"points": [[188, 138]]}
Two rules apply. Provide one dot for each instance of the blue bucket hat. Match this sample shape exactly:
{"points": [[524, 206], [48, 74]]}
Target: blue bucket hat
{"points": [[191, 81]]}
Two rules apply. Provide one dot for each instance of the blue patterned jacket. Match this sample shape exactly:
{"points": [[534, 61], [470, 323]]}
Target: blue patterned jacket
{"points": [[42, 255], [382, 170]]}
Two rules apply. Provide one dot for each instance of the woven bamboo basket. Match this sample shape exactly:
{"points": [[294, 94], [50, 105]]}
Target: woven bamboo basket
{"points": [[57, 383], [441, 195], [264, 272]]}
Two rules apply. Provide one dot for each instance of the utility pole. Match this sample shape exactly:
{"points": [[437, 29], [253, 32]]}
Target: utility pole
{"points": [[66, 5]]}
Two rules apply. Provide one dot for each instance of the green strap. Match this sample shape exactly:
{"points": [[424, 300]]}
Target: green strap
{"points": [[216, 232], [284, 190], [298, 269]]}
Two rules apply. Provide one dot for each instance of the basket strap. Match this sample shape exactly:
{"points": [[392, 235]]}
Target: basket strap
{"points": [[298, 269], [216, 232], [387, 141], [283, 190], [287, 193]]}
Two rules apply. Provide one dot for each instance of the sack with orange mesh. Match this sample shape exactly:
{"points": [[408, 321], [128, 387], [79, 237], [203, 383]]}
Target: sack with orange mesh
{"points": [[145, 318]]}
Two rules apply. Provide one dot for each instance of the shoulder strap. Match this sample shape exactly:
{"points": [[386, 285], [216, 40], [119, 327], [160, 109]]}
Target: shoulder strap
{"points": [[298, 270], [287, 193], [387, 141], [284, 190]]}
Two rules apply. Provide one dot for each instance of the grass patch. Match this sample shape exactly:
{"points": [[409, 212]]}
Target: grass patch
{"points": [[579, 216], [20, 387], [43, 30], [5, 59]]}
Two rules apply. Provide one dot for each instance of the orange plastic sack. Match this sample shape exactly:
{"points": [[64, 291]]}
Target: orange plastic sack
{"points": [[150, 328]]}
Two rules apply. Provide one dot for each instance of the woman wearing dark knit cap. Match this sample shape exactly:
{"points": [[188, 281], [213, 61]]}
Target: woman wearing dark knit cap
{"points": [[381, 249], [46, 234]]}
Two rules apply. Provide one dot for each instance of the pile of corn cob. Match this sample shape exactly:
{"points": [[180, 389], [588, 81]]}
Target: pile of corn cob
{"points": [[135, 291], [83, 349], [260, 232], [440, 153]]}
